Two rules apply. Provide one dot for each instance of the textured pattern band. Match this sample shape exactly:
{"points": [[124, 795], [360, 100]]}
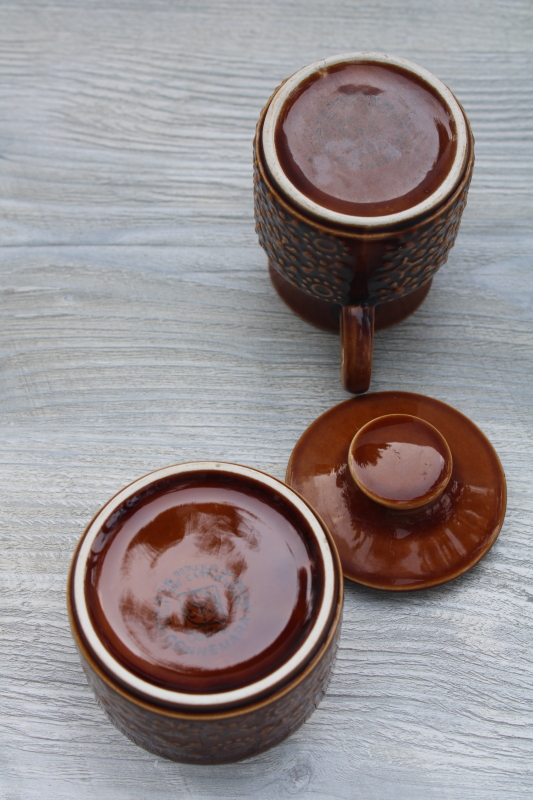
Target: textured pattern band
{"points": [[411, 258], [324, 265], [216, 741], [318, 264]]}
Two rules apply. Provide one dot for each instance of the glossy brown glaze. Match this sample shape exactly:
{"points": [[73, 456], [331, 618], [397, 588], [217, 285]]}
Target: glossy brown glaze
{"points": [[343, 266], [357, 347], [365, 139], [318, 268], [214, 738], [402, 550], [147, 521], [203, 584], [400, 461]]}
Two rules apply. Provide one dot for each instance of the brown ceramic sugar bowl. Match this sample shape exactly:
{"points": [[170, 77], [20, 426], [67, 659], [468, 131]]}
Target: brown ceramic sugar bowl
{"points": [[205, 601], [362, 164]]}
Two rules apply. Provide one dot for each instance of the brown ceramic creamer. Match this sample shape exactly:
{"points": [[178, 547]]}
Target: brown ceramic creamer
{"points": [[362, 167]]}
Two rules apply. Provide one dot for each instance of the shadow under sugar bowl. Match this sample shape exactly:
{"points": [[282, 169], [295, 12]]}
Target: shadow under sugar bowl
{"points": [[205, 600]]}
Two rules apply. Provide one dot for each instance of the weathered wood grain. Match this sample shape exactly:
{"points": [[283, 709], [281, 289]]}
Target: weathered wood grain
{"points": [[139, 329]]}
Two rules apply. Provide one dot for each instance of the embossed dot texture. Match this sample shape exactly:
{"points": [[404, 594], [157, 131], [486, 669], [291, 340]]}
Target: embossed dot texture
{"points": [[407, 259]]}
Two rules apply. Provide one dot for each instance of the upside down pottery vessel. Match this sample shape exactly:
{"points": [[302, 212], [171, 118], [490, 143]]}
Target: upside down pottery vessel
{"points": [[205, 600], [363, 126]]}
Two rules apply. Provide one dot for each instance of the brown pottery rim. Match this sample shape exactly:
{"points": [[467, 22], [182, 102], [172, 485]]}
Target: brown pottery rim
{"points": [[353, 232], [313, 661]]}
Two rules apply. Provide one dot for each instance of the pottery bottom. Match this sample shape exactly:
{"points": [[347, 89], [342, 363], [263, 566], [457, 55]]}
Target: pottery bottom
{"points": [[326, 315]]}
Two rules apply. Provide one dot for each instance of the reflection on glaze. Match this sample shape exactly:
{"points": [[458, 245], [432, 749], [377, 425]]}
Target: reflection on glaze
{"points": [[400, 461], [401, 549], [366, 139], [203, 586]]}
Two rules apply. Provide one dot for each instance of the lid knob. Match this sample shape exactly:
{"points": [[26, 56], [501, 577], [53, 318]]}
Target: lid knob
{"points": [[400, 461]]}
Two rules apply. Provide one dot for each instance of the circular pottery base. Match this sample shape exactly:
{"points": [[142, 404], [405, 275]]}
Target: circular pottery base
{"points": [[205, 600], [394, 548]]}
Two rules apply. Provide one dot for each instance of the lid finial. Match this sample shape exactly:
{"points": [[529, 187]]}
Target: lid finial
{"points": [[400, 461]]}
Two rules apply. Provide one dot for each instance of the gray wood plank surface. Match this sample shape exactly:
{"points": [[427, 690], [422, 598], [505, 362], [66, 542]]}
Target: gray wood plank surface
{"points": [[139, 329]]}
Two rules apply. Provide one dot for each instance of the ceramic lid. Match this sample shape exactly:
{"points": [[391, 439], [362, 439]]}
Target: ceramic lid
{"points": [[205, 584], [411, 490]]}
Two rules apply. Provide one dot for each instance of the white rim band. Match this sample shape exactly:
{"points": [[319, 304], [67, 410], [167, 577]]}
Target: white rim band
{"points": [[283, 94], [222, 698]]}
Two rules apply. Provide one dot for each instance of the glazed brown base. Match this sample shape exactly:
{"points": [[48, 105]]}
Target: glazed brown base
{"points": [[327, 315], [222, 737]]}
